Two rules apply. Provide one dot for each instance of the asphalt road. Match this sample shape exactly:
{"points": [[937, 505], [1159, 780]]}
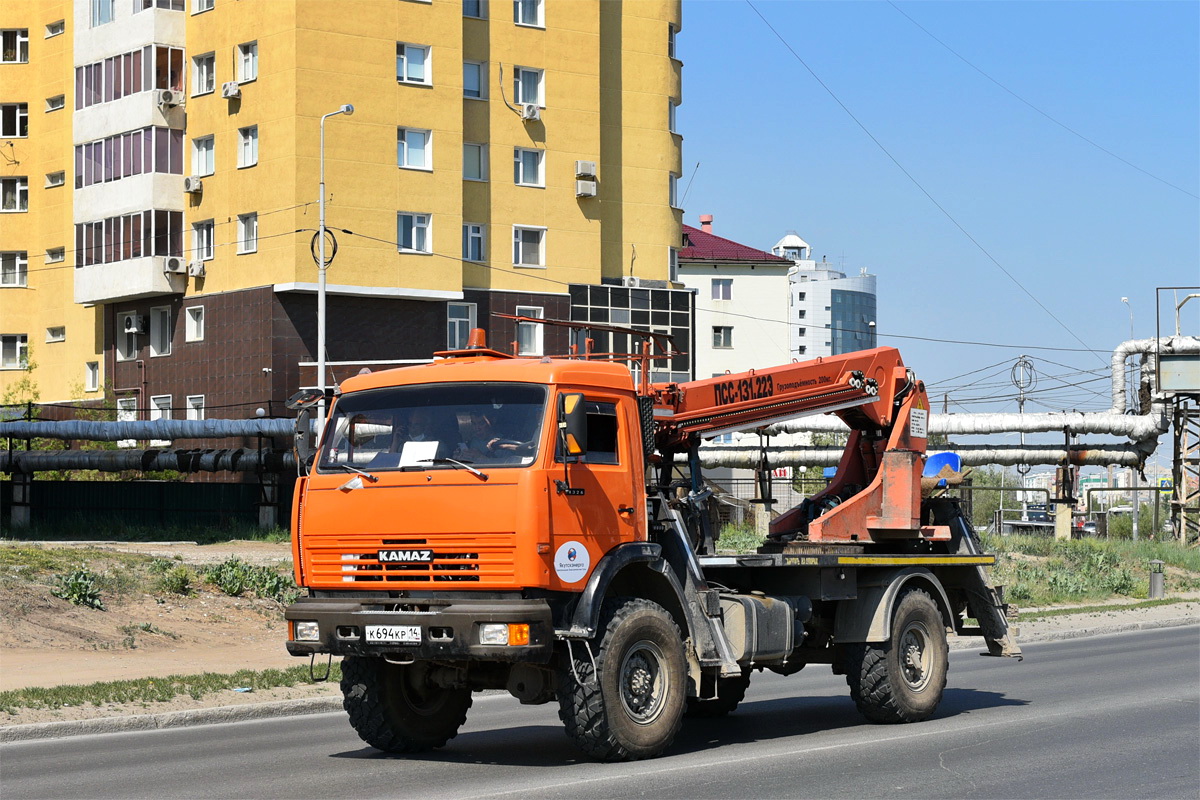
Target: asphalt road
{"points": [[1114, 716]]}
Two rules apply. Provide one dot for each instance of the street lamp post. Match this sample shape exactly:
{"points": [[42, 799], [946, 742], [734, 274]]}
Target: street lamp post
{"points": [[321, 267], [1125, 300]]}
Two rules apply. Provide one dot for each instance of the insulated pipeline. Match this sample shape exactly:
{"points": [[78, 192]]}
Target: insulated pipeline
{"points": [[234, 460]]}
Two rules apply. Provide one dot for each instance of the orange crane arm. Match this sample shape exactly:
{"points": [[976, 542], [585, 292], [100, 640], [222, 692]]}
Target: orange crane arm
{"points": [[859, 387]]}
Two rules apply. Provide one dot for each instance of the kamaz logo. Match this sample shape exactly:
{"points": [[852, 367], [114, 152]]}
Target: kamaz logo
{"points": [[405, 556]]}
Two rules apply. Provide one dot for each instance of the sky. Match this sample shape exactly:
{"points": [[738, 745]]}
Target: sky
{"points": [[1076, 228]]}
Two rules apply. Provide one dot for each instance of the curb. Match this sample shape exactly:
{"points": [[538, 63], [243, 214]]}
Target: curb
{"points": [[325, 705]]}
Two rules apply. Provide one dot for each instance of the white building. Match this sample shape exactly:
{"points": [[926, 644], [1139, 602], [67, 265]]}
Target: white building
{"points": [[830, 312], [741, 302]]}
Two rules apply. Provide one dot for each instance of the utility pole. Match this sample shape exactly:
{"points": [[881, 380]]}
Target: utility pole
{"points": [[1023, 380]]}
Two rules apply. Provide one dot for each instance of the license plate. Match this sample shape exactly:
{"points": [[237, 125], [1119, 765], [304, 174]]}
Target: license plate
{"points": [[403, 634]]}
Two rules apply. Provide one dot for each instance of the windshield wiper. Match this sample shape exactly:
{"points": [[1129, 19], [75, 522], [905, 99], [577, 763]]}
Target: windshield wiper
{"points": [[364, 473], [481, 475]]}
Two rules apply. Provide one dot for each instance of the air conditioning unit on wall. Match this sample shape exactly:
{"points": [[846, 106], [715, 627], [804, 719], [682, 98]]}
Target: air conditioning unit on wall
{"points": [[193, 185], [585, 169], [134, 323], [174, 265], [196, 269], [530, 112], [231, 90], [168, 98], [585, 188]]}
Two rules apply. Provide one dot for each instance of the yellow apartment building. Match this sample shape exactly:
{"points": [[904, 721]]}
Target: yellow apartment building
{"points": [[159, 225]]}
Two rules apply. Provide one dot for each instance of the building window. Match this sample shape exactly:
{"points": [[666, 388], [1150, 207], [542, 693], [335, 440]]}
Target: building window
{"points": [[136, 235], [527, 167], [671, 107], [14, 46], [527, 85], [160, 408], [202, 240], [193, 324], [722, 288], [56, 28], [130, 153], [200, 6], [14, 351], [801, 313], [722, 336], [474, 79], [204, 74], [413, 148], [56, 103], [14, 268], [247, 66], [195, 406], [802, 331], [166, 5], [800, 296], [474, 161], [55, 255], [671, 41], [472, 244], [529, 334], [247, 146], [673, 190], [91, 376], [529, 246], [528, 12], [247, 233], [412, 63], [203, 155], [475, 8], [126, 412], [673, 264], [14, 194], [56, 333], [160, 331], [102, 12], [412, 232], [14, 120], [126, 336], [801, 350], [54, 179], [460, 319]]}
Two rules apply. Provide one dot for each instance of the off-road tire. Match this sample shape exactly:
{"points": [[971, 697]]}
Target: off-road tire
{"points": [[730, 692], [902, 680], [393, 709], [634, 707]]}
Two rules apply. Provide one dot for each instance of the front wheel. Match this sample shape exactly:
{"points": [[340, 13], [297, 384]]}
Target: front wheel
{"points": [[395, 708], [902, 680], [634, 706]]}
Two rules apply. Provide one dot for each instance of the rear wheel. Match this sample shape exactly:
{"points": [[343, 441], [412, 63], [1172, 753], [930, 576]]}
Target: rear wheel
{"points": [[633, 708], [730, 692], [902, 680], [394, 707]]}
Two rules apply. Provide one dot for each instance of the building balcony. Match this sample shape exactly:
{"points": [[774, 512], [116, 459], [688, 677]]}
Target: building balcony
{"points": [[127, 280]]}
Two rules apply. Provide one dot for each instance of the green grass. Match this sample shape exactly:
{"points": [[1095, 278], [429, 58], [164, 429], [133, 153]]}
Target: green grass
{"points": [[156, 690], [1062, 612], [739, 539], [86, 530]]}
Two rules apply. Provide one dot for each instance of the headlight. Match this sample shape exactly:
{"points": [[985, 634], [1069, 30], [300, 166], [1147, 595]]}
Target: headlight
{"points": [[493, 633], [501, 633], [307, 631]]}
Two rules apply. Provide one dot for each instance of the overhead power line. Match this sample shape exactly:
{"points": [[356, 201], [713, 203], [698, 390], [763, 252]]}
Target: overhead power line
{"points": [[1062, 125], [914, 181]]}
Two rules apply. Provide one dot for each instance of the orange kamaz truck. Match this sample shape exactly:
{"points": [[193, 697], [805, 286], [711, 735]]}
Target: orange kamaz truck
{"points": [[542, 525]]}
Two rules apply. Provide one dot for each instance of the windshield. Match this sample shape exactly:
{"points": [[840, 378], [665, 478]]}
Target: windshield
{"points": [[417, 426]]}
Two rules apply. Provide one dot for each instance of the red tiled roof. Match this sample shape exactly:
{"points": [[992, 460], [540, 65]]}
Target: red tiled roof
{"points": [[703, 246]]}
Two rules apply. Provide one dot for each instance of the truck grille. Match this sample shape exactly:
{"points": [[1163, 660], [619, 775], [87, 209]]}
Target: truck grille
{"points": [[480, 559]]}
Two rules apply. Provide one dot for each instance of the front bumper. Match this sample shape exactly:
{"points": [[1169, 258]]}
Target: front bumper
{"points": [[449, 627]]}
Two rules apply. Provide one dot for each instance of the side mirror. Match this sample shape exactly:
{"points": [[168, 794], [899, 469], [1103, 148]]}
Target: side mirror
{"points": [[572, 424], [302, 444]]}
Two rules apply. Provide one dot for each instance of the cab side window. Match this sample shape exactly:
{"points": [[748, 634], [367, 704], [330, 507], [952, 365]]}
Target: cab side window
{"points": [[601, 432]]}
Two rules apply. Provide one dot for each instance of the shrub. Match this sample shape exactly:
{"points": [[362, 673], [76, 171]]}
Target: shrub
{"points": [[177, 580], [78, 587], [234, 577]]}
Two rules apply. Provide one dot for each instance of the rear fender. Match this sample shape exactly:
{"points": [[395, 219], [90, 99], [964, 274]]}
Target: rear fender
{"points": [[868, 618]]}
